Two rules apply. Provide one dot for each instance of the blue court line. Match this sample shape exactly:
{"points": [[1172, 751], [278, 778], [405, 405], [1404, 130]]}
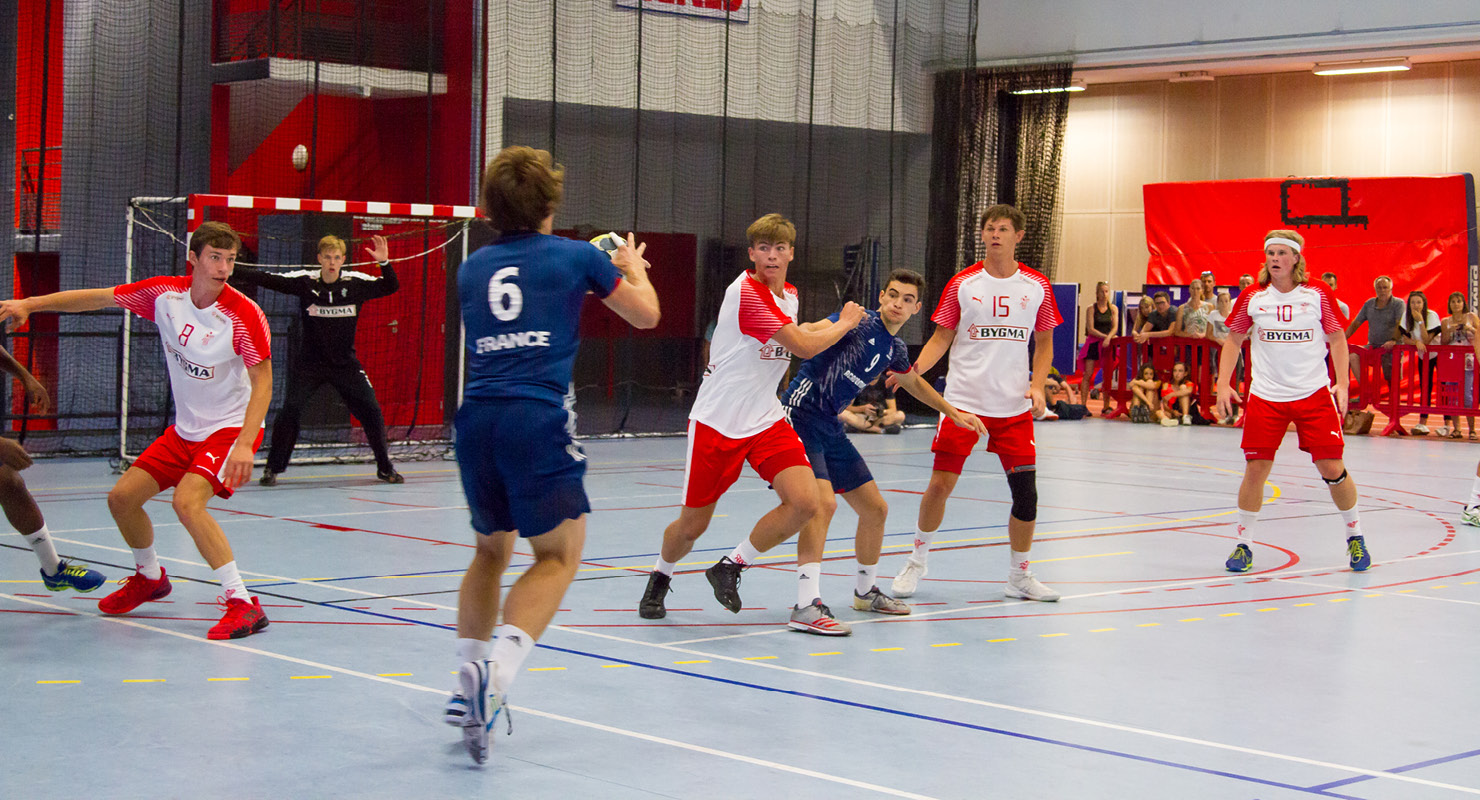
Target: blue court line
{"points": [[1405, 768], [1319, 791]]}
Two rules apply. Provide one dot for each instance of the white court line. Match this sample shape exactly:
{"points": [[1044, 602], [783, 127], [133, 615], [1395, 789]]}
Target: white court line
{"points": [[1393, 593], [903, 689], [1280, 577], [760, 762]]}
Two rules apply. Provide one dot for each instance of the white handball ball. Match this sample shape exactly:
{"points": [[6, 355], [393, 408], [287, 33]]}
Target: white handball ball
{"points": [[300, 158], [608, 243]]}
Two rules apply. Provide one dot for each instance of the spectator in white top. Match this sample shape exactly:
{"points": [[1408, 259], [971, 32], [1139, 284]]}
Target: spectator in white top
{"points": [[1460, 328], [1420, 327], [1192, 317]]}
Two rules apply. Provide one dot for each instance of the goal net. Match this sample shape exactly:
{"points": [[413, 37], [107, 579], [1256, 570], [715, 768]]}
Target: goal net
{"points": [[403, 341]]}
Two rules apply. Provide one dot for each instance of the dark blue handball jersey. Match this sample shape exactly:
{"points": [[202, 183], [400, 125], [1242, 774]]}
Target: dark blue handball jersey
{"points": [[521, 300], [829, 381]]}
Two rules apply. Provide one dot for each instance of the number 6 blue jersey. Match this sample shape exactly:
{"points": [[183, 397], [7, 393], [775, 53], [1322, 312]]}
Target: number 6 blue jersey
{"points": [[521, 303]]}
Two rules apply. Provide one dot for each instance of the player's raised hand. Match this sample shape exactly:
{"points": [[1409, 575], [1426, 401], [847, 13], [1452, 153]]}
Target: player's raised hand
{"points": [[628, 256], [16, 312], [851, 315], [379, 250], [13, 455]]}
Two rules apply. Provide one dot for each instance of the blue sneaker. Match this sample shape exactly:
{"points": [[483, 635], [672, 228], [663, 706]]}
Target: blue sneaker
{"points": [[475, 680], [1356, 547], [72, 576], [1242, 559]]}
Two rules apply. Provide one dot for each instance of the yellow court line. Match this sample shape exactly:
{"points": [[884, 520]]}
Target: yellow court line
{"points": [[1339, 600], [1232, 614], [1372, 595], [1149, 625], [1076, 558], [1303, 605], [884, 649], [1269, 609], [51, 682], [758, 658], [309, 677], [947, 644], [1008, 639], [1101, 630], [696, 661], [227, 679], [829, 653], [1051, 635], [1191, 619], [614, 666], [143, 680]]}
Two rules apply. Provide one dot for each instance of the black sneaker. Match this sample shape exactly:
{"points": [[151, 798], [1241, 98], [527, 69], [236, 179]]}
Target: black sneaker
{"points": [[651, 605], [893, 428], [724, 576], [269, 478], [390, 476]]}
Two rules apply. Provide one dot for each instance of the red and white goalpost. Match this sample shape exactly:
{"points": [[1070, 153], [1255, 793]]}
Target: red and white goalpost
{"points": [[413, 360]]}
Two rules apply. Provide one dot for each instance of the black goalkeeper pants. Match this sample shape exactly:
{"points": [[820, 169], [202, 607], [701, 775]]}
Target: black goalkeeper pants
{"points": [[353, 386]]}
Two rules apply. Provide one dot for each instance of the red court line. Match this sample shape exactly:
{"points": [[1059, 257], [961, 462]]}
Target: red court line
{"points": [[659, 485], [389, 503]]}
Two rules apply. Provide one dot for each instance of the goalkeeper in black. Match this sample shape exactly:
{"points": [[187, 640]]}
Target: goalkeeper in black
{"points": [[329, 301]]}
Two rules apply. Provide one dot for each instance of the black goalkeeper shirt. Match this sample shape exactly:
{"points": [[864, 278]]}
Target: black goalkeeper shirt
{"points": [[328, 312]]}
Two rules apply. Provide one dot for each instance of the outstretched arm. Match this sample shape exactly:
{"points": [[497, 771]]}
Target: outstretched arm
{"points": [[74, 300], [239, 463], [248, 276], [808, 343], [912, 382]]}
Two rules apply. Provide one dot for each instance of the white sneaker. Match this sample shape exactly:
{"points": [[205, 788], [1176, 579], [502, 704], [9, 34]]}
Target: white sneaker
{"points": [[1420, 430], [1442, 431], [1169, 422], [1023, 585], [908, 578], [485, 703], [1470, 516], [1186, 419]]}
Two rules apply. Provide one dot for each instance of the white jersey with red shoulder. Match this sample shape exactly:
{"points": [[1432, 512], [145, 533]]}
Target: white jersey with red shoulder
{"points": [[994, 319], [1287, 338], [738, 394], [208, 350]]}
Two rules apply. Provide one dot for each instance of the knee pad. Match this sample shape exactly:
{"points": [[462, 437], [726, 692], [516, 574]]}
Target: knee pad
{"points": [[1336, 481], [1023, 483]]}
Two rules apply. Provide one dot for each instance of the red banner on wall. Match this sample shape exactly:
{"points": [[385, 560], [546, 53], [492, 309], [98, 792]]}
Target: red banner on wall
{"points": [[1418, 230]]}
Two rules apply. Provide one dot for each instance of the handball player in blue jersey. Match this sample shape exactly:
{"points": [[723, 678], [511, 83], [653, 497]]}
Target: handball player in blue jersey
{"points": [[824, 386], [521, 469]]}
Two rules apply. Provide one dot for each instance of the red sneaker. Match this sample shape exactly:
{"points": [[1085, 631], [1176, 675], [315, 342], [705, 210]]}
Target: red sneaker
{"points": [[242, 619], [135, 591]]}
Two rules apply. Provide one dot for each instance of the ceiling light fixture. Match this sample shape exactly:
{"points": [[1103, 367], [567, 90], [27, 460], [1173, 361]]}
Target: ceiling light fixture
{"points": [[1074, 86], [1191, 77], [1362, 66]]}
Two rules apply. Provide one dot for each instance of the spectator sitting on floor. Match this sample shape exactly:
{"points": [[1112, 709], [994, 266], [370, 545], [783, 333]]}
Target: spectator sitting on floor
{"points": [[1177, 395], [874, 410], [1146, 396]]}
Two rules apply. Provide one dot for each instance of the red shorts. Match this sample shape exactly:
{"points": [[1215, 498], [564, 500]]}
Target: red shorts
{"points": [[169, 457], [1316, 423], [1011, 438], [715, 459]]}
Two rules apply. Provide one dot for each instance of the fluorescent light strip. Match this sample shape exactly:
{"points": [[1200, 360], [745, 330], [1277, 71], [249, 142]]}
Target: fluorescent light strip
{"points": [[1360, 67]]}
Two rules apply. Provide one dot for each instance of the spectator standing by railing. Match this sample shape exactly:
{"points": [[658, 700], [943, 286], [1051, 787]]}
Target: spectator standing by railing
{"points": [[1158, 323], [1192, 317], [1459, 329], [1101, 321], [1381, 314], [1346, 310], [1420, 327]]}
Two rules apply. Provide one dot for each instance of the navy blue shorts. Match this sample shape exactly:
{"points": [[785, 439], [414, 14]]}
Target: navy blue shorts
{"points": [[833, 456], [521, 469]]}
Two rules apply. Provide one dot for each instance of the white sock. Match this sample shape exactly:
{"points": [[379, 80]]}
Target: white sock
{"points": [[745, 553], [510, 647], [809, 583], [1019, 563], [923, 538], [867, 575], [46, 552], [1475, 492], [147, 562], [1246, 520], [231, 582], [665, 567], [1349, 519], [473, 650]]}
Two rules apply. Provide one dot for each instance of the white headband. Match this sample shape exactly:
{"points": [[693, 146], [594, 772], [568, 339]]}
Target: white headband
{"points": [[1291, 243]]}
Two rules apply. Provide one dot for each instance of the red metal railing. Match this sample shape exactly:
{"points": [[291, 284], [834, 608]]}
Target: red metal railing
{"points": [[1124, 358], [1415, 387]]}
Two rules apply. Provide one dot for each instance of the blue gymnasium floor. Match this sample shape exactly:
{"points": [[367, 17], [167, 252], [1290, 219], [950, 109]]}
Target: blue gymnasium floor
{"points": [[1157, 676]]}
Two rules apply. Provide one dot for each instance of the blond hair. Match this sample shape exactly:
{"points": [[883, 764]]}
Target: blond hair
{"points": [[332, 242], [1299, 273], [772, 228]]}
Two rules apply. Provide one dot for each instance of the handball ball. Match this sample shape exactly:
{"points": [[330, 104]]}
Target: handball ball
{"points": [[608, 243], [300, 158]]}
